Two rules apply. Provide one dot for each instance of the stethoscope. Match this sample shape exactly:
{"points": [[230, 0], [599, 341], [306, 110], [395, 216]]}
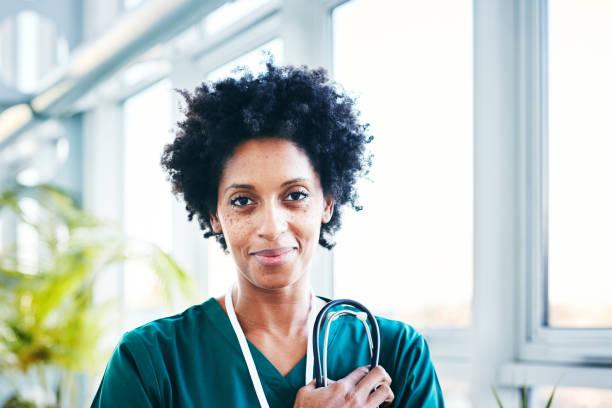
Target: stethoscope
{"points": [[325, 315], [313, 357]]}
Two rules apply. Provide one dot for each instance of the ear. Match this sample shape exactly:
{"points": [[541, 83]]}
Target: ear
{"points": [[328, 210], [216, 225]]}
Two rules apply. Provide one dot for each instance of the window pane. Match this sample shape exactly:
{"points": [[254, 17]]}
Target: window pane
{"points": [[580, 147], [130, 4], [414, 235], [572, 397], [221, 267], [28, 46], [456, 393], [147, 201], [253, 60], [229, 13]]}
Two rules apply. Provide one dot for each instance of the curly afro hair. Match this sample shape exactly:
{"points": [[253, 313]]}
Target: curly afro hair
{"points": [[293, 103]]}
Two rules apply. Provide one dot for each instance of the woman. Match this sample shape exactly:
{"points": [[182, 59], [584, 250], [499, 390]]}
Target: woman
{"points": [[266, 164]]}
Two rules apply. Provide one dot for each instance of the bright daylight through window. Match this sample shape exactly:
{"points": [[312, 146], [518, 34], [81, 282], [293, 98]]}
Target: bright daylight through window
{"points": [[580, 147], [414, 235], [147, 211]]}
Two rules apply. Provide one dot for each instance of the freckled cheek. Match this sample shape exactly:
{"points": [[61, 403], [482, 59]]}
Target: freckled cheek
{"points": [[237, 230]]}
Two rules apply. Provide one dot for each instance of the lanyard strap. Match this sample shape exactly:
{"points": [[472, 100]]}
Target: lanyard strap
{"points": [[246, 352]]}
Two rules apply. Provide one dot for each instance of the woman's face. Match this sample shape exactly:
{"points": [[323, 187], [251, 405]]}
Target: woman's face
{"points": [[270, 208]]}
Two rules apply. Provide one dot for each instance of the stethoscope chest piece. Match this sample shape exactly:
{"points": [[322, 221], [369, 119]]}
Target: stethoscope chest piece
{"points": [[362, 314]]}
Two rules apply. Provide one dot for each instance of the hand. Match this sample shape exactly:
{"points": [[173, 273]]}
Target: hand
{"points": [[361, 388]]}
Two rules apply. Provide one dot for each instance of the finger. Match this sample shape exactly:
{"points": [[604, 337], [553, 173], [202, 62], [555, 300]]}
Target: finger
{"points": [[383, 394], [311, 385], [329, 381], [356, 375], [368, 383]]}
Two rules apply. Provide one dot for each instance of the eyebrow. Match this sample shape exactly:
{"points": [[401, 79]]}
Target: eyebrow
{"points": [[295, 180], [250, 187]]}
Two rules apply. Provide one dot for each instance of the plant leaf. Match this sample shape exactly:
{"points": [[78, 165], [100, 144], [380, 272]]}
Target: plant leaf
{"points": [[552, 395], [496, 397], [47, 314]]}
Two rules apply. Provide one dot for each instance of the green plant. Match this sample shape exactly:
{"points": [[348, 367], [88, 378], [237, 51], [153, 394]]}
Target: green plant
{"points": [[524, 397], [48, 316]]}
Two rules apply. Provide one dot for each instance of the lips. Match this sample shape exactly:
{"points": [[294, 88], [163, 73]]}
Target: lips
{"points": [[274, 256]]}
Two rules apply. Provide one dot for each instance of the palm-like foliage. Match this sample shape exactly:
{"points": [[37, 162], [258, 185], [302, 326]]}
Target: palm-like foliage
{"points": [[47, 312]]}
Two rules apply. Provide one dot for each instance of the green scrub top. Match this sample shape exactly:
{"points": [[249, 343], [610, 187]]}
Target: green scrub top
{"points": [[193, 359]]}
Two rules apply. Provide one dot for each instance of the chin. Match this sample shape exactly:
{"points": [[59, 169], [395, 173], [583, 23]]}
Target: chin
{"points": [[275, 277]]}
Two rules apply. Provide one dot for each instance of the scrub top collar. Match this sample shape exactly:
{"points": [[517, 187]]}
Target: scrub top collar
{"points": [[267, 371]]}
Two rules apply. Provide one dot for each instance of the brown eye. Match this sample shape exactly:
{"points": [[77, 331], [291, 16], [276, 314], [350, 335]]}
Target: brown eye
{"points": [[297, 196], [240, 201]]}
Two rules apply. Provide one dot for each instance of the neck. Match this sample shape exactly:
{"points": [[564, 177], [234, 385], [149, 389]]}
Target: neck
{"points": [[282, 311]]}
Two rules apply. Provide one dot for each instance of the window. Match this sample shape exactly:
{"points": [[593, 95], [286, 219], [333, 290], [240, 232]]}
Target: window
{"points": [[1, 46], [579, 151], [252, 60], [28, 46], [561, 285], [31, 45], [147, 200], [456, 393], [229, 13], [132, 4], [415, 231]]}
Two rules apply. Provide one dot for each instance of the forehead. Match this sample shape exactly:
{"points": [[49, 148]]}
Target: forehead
{"points": [[270, 161]]}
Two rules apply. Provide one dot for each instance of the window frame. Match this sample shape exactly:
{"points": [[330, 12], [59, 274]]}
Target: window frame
{"points": [[538, 342]]}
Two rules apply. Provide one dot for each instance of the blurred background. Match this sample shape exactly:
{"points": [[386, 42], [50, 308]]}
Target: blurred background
{"points": [[487, 221]]}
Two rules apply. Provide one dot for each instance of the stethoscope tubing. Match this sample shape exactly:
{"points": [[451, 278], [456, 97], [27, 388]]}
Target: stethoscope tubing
{"points": [[322, 316]]}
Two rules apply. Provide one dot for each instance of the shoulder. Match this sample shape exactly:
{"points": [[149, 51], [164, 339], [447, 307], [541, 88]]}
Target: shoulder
{"points": [[402, 344], [399, 333], [405, 352], [165, 328], [146, 358], [396, 328], [179, 320]]}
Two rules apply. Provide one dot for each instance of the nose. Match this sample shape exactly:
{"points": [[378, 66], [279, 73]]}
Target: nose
{"points": [[273, 222]]}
